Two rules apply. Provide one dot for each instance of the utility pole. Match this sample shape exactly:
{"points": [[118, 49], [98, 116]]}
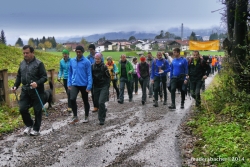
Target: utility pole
{"points": [[182, 31]]}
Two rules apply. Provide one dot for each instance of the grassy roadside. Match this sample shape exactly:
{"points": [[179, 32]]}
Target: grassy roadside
{"points": [[223, 126]]}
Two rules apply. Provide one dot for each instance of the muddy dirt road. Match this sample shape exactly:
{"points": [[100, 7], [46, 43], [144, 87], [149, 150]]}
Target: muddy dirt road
{"points": [[133, 135]]}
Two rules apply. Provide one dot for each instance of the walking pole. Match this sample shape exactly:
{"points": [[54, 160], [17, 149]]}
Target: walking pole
{"points": [[41, 103]]}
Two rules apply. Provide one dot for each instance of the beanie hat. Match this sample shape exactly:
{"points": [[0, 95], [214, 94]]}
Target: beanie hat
{"points": [[92, 46], [79, 47], [142, 59], [98, 55], [65, 51]]}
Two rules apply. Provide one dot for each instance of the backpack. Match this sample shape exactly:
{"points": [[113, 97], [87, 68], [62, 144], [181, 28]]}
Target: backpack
{"points": [[147, 67]]}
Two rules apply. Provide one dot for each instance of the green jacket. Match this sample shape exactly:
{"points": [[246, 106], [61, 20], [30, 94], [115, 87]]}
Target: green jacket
{"points": [[129, 68]]}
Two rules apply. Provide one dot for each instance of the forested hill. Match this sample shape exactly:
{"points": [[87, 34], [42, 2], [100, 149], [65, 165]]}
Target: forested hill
{"points": [[10, 57]]}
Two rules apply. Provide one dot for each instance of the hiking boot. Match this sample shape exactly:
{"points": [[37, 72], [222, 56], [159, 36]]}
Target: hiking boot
{"points": [[86, 119], [172, 106], [74, 120], [142, 102], [182, 105], [156, 104], [27, 130], [34, 133], [119, 101], [130, 100], [95, 109], [165, 102], [101, 123]]}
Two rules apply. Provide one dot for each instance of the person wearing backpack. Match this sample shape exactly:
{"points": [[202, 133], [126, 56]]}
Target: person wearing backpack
{"points": [[101, 82], [143, 75], [113, 71], [178, 76], [198, 71], [125, 70], [160, 68]]}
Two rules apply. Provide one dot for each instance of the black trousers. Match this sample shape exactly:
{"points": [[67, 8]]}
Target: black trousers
{"points": [[73, 95], [144, 83], [195, 87], [157, 81], [65, 84], [29, 98], [92, 96], [134, 83], [177, 83], [114, 82], [101, 95]]}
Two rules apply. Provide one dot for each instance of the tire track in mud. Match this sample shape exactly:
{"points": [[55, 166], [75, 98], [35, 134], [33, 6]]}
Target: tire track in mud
{"points": [[122, 157]]}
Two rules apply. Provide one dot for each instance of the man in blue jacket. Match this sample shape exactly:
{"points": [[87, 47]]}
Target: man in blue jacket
{"points": [[63, 72], [160, 68], [79, 79], [178, 76]]}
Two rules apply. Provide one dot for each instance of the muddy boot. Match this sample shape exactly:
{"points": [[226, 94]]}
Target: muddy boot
{"points": [[165, 102], [172, 106], [182, 105], [156, 104]]}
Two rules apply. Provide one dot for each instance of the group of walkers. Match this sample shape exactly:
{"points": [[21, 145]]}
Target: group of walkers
{"points": [[91, 74]]}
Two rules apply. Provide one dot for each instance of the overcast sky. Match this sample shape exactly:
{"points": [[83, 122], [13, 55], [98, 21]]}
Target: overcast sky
{"points": [[66, 18]]}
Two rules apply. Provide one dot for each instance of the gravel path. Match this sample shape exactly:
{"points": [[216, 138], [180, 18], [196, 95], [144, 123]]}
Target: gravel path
{"points": [[133, 135]]}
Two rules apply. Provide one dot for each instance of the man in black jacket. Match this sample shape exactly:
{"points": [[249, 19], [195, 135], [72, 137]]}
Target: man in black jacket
{"points": [[32, 75], [101, 81], [198, 71]]}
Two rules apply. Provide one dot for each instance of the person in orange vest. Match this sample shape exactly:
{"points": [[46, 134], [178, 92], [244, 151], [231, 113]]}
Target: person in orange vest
{"points": [[113, 71], [214, 60]]}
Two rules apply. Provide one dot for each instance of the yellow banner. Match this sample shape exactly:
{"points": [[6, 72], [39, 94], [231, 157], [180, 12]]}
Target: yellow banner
{"points": [[205, 45]]}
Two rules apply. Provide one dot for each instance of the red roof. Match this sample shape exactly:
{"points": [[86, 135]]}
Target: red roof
{"points": [[184, 42]]}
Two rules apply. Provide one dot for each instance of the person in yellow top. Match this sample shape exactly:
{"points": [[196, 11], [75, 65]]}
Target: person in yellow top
{"points": [[113, 71]]}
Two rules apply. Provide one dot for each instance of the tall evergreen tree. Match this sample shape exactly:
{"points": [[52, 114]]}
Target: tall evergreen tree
{"points": [[193, 36], [2, 38], [53, 42], [19, 42]]}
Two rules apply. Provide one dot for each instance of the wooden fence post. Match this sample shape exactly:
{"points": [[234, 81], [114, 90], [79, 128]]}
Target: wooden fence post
{"points": [[4, 88], [51, 78]]}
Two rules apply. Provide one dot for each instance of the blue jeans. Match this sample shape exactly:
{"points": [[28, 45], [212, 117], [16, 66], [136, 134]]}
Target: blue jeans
{"points": [[124, 81]]}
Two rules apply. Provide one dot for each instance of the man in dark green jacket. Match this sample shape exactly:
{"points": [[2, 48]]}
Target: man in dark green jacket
{"points": [[125, 69], [198, 71]]}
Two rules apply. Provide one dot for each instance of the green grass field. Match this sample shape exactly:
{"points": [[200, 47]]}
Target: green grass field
{"points": [[116, 55]]}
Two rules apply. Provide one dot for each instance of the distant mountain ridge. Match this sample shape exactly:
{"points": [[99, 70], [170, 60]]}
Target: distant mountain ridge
{"points": [[142, 35]]}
